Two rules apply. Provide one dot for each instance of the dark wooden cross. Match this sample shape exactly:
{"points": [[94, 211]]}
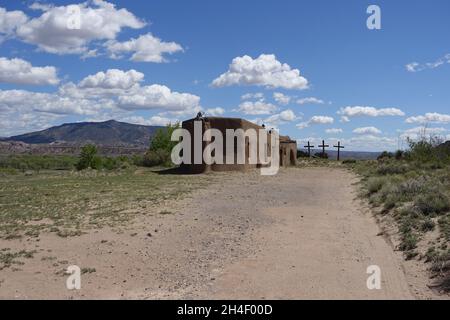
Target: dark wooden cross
{"points": [[309, 146], [339, 147], [323, 146]]}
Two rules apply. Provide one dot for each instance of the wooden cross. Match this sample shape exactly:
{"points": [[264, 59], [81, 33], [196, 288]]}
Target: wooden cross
{"points": [[323, 146], [309, 146], [339, 147]]}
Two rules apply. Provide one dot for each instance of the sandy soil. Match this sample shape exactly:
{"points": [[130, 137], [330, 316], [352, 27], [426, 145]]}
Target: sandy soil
{"points": [[298, 235]]}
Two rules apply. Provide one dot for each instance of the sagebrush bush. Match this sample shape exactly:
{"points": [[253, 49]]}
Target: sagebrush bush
{"points": [[159, 157], [375, 184], [392, 168], [434, 202]]}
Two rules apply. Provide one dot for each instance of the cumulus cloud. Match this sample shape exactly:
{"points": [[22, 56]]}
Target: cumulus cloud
{"points": [[152, 121], [281, 98], [356, 111], [249, 96], [256, 108], [316, 120], [146, 48], [416, 67], [310, 100], [423, 132], [27, 101], [215, 111], [282, 117], [367, 130], [9, 21], [56, 29], [334, 131], [112, 79], [264, 71], [157, 97], [110, 94], [430, 118], [19, 71]]}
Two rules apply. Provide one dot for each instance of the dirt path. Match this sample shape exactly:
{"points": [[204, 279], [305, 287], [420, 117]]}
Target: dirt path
{"points": [[297, 235]]}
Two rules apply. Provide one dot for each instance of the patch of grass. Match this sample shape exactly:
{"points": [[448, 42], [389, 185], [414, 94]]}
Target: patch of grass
{"points": [[375, 184], [434, 202], [8, 258], [165, 212], [70, 202], [88, 270]]}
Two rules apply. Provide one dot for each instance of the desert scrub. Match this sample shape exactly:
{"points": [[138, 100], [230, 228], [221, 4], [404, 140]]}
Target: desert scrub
{"points": [[8, 258], [432, 202], [69, 203], [375, 184]]}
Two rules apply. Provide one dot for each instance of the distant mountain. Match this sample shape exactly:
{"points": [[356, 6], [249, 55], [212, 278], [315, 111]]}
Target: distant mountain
{"points": [[108, 133]]}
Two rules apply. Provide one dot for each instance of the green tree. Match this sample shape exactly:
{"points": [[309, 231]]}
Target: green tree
{"points": [[161, 147], [88, 158]]}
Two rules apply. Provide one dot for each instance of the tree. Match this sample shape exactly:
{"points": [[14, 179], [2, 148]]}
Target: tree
{"points": [[88, 158], [161, 147]]}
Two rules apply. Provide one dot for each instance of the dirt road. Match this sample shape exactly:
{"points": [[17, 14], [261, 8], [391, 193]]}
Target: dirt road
{"points": [[298, 235]]}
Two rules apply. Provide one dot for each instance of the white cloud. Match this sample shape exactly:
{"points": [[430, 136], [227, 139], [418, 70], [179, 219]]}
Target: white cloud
{"points": [[146, 48], [369, 112], [281, 98], [9, 21], [265, 71], [18, 123], [105, 95], [112, 79], [316, 120], [421, 132], [367, 130], [256, 108], [157, 97], [249, 96], [215, 112], [430, 118], [416, 67], [27, 101], [344, 119], [99, 21], [19, 71], [334, 131], [282, 117], [310, 100], [152, 121]]}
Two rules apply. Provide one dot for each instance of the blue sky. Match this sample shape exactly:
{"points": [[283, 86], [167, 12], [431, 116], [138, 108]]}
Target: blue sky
{"points": [[154, 61]]}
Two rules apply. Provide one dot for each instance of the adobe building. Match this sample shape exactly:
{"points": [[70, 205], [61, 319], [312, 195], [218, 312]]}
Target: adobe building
{"points": [[287, 148]]}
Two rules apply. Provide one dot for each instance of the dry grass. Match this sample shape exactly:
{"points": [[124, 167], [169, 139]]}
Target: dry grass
{"points": [[69, 203]]}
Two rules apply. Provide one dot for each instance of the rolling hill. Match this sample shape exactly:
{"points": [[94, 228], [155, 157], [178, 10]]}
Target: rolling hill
{"points": [[109, 133]]}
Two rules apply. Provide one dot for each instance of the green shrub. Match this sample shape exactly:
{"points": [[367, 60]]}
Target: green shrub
{"points": [[385, 155], [392, 168], [432, 203], [408, 242], [302, 154], [427, 225], [349, 161], [159, 157], [375, 184], [161, 147], [38, 162], [88, 158]]}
